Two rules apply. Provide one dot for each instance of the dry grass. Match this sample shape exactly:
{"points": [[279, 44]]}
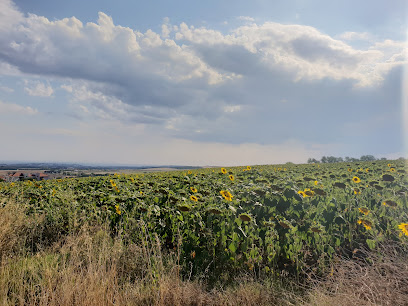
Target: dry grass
{"points": [[370, 279], [89, 267]]}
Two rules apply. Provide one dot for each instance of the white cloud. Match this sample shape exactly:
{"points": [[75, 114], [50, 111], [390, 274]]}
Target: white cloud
{"points": [[350, 36], [301, 51], [38, 89], [10, 108], [9, 15], [246, 18], [232, 108], [165, 31], [6, 89]]}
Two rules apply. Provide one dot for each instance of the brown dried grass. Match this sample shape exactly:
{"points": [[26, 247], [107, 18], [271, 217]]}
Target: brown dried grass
{"points": [[371, 278]]}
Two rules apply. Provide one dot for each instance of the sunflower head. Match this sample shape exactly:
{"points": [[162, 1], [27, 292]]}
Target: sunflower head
{"points": [[245, 217], [364, 210], [194, 198], [248, 168], [223, 170], [366, 223], [226, 195], [316, 229], [214, 211], [284, 224], [193, 189], [231, 177], [404, 228], [302, 193], [184, 208], [308, 192], [356, 179], [389, 203]]}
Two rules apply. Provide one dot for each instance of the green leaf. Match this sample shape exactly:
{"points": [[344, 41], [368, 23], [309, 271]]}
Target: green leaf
{"points": [[371, 243], [232, 247]]}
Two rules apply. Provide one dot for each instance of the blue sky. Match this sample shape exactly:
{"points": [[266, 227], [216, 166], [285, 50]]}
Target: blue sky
{"points": [[201, 83]]}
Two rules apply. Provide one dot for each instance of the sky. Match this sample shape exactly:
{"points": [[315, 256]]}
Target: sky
{"points": [[228, 82]]}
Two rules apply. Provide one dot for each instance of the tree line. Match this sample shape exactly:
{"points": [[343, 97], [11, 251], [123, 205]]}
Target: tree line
{"points": [[333, 159]]}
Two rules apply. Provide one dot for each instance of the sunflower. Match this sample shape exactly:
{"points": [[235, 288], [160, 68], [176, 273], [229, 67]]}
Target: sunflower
{"points": [[392, 169], [316, 182], [308, 192], [367, 224], [404, 228], [367, 170], [356, 179], [245, 217], [215, 211], [184, 208], [117, 209], [194, 198], [231, 177], [389, 203], [284, 224], [223, 170], [364, 210], [189, 172], [302, 193], [389, 165], [350, 170], [226, 195], [315, 229], [248, 168], [193, 189]]}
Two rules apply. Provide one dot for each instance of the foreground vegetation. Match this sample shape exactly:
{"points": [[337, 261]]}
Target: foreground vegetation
{"points": [[274, 234]]}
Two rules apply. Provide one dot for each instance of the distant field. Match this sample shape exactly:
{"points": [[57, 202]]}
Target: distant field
{"points": [[129, 171]]}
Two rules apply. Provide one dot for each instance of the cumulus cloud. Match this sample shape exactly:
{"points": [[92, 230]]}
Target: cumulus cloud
{"points": [[301, 51], [200, 83], [10, 108], [38, 89]]}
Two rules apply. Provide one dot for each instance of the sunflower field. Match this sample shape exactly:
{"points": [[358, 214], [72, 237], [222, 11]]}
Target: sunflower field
{"points": [[279, 219]]}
